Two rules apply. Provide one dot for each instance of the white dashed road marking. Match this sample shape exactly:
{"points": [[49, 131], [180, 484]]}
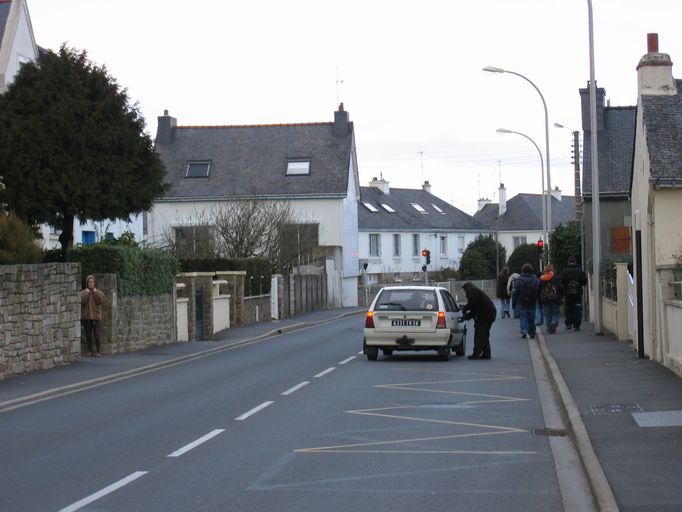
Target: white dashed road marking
{"points": [[253, 411], [196, 443], [107, 490], [322, 374], [295, 388], [348, 360]]}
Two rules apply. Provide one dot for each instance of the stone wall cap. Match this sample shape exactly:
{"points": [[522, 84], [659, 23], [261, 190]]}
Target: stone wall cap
{"points": [[231, 273], [195, 274]]}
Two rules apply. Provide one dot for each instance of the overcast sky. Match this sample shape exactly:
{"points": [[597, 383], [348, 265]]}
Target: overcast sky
{"points": [[409, 73]]}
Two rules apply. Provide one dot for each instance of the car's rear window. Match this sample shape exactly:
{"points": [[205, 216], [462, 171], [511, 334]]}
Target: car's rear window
{"points": [[407, 300]]}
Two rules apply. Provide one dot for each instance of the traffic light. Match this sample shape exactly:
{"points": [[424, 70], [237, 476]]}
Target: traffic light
{"points": [[427, 254], [541, 245]]}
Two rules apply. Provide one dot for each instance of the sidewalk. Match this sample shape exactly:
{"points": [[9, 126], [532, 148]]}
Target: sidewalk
{"points": [[88, 371], [631, 410]]}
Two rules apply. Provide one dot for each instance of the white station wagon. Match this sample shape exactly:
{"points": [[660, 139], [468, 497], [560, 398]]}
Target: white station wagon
{"points": [[414, 318]]}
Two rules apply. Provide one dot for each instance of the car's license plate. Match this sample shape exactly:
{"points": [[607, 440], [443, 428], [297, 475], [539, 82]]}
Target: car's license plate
{"points": [[406, 323]]}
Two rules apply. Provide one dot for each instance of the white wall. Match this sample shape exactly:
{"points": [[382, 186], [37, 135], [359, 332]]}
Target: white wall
{"points": [[18, 44], [117, 228]]}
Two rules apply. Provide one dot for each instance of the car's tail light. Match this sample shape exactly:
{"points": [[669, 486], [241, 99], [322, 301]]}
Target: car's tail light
{"points": [[369, 321], [441, 320]]}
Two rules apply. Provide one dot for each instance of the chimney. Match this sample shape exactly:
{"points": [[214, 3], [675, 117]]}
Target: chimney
{"points": [[381, 184], [556, 193], [426, 187], [341, 123], [503, 200], [166, 128], [655, 71], [585, 108], [482, 202]]}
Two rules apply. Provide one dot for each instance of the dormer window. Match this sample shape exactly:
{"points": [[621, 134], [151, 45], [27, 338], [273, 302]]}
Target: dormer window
{"points": [[419, 208], [298, 168], [387, 208], [370, 207], [198, 169], [438, 209]]}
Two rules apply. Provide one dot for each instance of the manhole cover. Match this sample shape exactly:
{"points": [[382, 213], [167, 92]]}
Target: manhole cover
{"points": [[658, 419], [600, 410], [552, 432]]}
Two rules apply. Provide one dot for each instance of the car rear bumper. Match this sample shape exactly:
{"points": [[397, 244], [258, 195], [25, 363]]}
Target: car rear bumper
{"points": [[407, 340]]}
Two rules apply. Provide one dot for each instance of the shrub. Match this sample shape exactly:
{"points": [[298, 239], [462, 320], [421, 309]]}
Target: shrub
{"points": [[17, 241]]}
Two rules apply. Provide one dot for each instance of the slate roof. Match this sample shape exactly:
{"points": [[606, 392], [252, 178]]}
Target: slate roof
{"points": [[524, 213], [663, 127], [406, 217], [4, 14], [616, 144], [252, 161]]}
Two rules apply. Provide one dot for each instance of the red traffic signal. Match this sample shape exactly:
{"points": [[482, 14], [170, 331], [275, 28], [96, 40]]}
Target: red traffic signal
{"points": [[424, 252], [427, 254], [541, 245]]}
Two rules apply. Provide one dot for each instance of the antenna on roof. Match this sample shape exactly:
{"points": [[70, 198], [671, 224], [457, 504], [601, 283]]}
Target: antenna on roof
{"points": [[338, 85], [421, 154], [499, 169]]}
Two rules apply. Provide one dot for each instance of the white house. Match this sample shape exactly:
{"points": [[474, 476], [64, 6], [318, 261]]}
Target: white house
{"points": [[396, 224], [17, 44], [656, 198], [312, 166]]}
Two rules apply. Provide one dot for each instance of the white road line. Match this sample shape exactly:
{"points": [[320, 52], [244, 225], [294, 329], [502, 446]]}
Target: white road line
{"points": [[107, 490], [322, 374], [196, 443], [348, 360], [295, 388], [361, 352], [253, 411]]}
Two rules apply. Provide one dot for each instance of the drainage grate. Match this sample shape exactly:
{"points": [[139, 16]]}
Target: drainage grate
{"points": [[600, 410], [658, 419], [552, 432]]}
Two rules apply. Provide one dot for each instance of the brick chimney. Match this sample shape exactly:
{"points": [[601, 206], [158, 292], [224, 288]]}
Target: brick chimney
{"points": [[556, 193], [165, 130], [585, 108], [503, 200], [426, 187], [655, 71], [341, 123]]}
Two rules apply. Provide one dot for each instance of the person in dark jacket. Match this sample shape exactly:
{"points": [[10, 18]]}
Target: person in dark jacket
{"points": [[551, 296], [502, 292], [574, 280], [91, 315], [483, 311], [524, 299]]}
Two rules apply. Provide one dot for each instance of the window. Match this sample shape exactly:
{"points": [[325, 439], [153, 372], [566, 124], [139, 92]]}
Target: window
{"points": [[444, 245], [415, 245], [519, 240], [621, 239], [418, 208], [194, 241], [370, 207], [438, 209], [198, 169], [387, 208], [89, 237], [460, 244], [375, 245], [396, 246], [298, 168]]}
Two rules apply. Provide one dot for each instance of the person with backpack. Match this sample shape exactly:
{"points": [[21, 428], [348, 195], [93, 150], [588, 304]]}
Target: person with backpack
{"points": [[502, 293], [524, 298], [574, 279], [551, 296], [510, 288]]}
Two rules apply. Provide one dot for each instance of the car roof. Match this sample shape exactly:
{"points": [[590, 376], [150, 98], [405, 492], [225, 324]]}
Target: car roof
{"points": [[413, 287]]}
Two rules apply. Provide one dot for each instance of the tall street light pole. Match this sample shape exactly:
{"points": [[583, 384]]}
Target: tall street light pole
{"points": [[548, 193], [542, 175], [596, 221]]}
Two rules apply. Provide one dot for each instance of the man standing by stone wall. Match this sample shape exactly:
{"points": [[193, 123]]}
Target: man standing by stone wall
{"points": [[91, 315]]}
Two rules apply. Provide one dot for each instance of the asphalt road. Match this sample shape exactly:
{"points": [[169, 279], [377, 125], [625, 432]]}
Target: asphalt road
{"points": [[298, 422]]}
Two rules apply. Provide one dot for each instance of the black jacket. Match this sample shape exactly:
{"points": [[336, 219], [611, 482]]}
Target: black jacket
{"points": [[478, 306], [574, 273]]}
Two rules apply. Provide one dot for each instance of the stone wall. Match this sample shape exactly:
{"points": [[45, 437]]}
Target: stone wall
{"points": [[39, 316], [262, 304], [134, 323]]}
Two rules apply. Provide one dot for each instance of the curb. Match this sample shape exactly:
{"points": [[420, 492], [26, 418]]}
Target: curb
{"points": [[606, 501], [99, 381]]}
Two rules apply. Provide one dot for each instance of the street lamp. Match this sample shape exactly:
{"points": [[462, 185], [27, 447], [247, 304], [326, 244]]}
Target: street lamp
{"points": [[542, 175], [548, 197], [596, 226]]}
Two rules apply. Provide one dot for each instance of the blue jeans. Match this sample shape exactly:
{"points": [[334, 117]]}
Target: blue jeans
{"points": [[550, 313], [504, 307], [527, 320]]}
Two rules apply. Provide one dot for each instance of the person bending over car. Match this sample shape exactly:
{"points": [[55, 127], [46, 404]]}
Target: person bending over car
{"points": [[483, 311]]}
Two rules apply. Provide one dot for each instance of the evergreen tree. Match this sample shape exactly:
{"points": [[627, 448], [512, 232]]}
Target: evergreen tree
{"points": [[478, 260], [72, 145]]}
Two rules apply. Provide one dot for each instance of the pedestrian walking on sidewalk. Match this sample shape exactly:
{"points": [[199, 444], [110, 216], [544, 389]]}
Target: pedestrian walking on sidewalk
{"points": [[510, 288], [574, 280], [524, 299], [551, 297], [483, 311], [502, 292], [91, 315]]}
